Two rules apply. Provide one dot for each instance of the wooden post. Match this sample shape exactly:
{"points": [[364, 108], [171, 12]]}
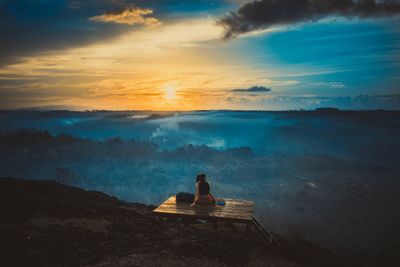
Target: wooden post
{"points": [[265, 233]]}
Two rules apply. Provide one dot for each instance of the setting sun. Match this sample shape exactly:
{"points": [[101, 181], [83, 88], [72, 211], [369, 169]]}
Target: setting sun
{"points": [[201, 113], [170, 92]]}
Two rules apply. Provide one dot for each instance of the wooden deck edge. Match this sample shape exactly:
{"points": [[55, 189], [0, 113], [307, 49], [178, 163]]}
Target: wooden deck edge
{"points": [[202, 217]]}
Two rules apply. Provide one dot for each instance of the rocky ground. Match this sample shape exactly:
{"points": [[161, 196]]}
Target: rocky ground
{"points": [[44, 223]]}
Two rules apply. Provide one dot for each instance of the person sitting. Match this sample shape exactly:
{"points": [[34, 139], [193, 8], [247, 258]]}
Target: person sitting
{"points": [[203, 195]]}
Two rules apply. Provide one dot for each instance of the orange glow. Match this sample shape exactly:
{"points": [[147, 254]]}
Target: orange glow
{"points": [[176, 66]]}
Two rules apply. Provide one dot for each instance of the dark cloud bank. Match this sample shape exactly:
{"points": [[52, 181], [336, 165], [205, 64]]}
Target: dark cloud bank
{"points": [[253, 89], [262, 14], [32, 27]]}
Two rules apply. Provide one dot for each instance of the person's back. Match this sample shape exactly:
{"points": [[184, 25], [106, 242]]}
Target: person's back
{"points": [[203, 195], [204, 188]]}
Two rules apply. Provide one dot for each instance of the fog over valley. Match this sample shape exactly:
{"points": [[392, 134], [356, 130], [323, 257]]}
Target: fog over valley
{"points": [[328, 176]]}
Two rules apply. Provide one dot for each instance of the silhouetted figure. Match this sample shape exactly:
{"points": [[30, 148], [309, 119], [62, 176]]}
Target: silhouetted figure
{"points": [[203, 195]]}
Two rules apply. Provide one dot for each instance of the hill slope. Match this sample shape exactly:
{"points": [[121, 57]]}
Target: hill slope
{"points": [[44, 223]]}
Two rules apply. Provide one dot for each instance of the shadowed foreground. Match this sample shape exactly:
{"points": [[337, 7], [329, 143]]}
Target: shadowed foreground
{"points": [[48, 224]]}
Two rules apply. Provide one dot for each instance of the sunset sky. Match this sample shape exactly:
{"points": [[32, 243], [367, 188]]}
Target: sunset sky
{"points": [[194, 54]]}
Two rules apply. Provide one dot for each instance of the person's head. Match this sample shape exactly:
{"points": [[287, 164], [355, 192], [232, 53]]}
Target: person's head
{"points": [[201, 177]]}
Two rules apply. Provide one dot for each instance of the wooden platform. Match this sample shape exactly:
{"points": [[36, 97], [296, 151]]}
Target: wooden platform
{"points": [[234, 210]]}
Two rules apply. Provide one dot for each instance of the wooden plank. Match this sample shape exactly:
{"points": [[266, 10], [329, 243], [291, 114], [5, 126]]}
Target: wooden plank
{"points": [[206, 208], [204, 212], [234, 210], [210, 214], [245, 217], [201, 217], [228, 201], [228, 207], [228, 204]]}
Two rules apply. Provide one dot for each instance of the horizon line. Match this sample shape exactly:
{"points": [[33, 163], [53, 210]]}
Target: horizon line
{"points": [[38, 109]]}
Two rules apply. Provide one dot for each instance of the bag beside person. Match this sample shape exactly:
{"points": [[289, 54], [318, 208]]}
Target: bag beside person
{"points": [[184, 197]]}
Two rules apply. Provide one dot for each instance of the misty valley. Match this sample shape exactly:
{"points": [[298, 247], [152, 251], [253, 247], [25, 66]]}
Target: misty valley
{"points": [[327, 176]]}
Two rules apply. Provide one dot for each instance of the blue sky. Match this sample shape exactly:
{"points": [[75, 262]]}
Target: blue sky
{"points": [[357, 57], [169, 55]]}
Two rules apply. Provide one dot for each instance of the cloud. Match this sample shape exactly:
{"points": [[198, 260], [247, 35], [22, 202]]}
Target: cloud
{"points": [[253, 89], [130, 16], [40, 27], [257, 15]]}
